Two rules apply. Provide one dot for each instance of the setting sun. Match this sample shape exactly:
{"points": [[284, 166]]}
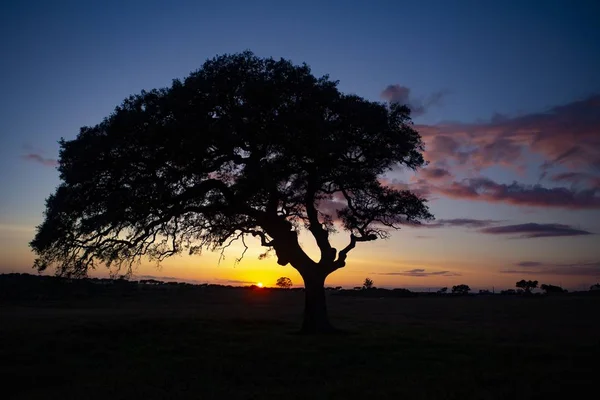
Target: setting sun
{"points": [[259, 284]]}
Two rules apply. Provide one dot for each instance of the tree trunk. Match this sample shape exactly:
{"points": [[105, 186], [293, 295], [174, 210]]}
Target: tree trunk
{"points": [[315, 307]]}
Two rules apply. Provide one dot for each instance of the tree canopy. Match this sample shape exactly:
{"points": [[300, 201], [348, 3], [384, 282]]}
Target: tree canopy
{"points": [[284, 282], [242, 146], [528, 286], [461, 289]]}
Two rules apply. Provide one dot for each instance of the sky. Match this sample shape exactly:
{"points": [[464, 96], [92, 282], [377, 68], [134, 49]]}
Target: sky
{"points": [[505, 94]]}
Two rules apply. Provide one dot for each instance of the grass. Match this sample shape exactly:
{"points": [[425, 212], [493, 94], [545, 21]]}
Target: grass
{"points": [[240, 344]]}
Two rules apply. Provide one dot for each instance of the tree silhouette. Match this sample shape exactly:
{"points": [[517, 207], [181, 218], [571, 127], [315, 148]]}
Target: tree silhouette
{"points": [[551, 289], [368, 283], [527, 286], [442, 290], [284, 283], [244, 146], [461, 289], [595, 286]]}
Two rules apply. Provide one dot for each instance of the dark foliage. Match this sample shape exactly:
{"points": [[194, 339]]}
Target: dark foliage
{"points": [[461, 289], [284, 282], [527, 286], [548, 289]]}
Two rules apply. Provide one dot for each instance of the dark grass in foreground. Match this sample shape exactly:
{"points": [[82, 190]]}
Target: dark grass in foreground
{"points": [[239, 344]]}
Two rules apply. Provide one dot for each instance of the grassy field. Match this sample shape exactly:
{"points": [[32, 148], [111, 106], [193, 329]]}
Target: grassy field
{"points": [[240, 344]]}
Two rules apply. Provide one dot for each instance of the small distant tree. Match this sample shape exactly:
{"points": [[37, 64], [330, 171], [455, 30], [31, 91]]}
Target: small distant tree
{"points": [[484, 291], [527, 286], [368, 284], [552, 289], [595, 286], [284, 282], [461, 289], [442, 290]]}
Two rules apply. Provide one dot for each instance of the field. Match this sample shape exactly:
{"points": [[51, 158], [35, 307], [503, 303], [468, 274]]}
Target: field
{"points": [[241, 344]]}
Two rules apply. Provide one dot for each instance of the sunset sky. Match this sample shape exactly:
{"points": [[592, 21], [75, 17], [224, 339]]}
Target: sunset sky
{"points": [[505, 94]]}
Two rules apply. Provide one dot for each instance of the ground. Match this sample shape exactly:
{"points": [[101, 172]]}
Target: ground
{"points": [[241, 344]]}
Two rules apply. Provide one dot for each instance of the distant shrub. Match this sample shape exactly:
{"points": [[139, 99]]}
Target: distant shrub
{"points": [[548, 289], [461, 289], [284, 282]]}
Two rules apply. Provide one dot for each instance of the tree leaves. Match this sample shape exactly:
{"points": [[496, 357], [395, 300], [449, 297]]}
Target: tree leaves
{"points": [[243, 146]]}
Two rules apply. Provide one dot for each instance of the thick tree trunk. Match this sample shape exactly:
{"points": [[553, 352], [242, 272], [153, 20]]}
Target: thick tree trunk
{"points": [[315, 307]]}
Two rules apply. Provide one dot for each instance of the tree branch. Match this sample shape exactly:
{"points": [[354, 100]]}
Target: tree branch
{"points": [[343, 254]]}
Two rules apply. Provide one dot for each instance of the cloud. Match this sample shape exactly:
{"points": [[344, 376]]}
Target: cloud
{"points": [[588, 269], [50, 162], [485, 189], [578, 178], [233, 282], [533, 230], [401, 95], [159, 278], [435, 173], [461, 222], [529, 264], [563, 142], [566, 135], [419, 273]]}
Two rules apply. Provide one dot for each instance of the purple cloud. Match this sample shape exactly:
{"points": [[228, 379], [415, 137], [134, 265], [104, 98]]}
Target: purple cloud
{"points": [[533, 230], [588, 269], [435, 173], [529, 264], [576, 178], [484, 189], [419, 273], [461, 222]]}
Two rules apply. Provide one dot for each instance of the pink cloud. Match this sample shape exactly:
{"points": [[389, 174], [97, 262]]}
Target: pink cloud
{"points": [[568, 135], [50, 162]]}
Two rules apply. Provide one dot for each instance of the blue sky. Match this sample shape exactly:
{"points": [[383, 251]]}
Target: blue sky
{"points": [[494, 67]]}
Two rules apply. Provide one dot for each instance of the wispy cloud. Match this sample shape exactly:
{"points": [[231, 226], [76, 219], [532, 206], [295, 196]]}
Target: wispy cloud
{"points": [[485, 189], [527, 264], [419, 273], [35, 157], [533, 230], [584, 269], [460, 222]]}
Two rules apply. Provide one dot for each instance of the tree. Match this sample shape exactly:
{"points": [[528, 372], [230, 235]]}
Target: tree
{"points": [[368, 283], [527, 286], [243, 147], [442, 290], [284, 283], [552, 289], [595, 286], [461, 289]]}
